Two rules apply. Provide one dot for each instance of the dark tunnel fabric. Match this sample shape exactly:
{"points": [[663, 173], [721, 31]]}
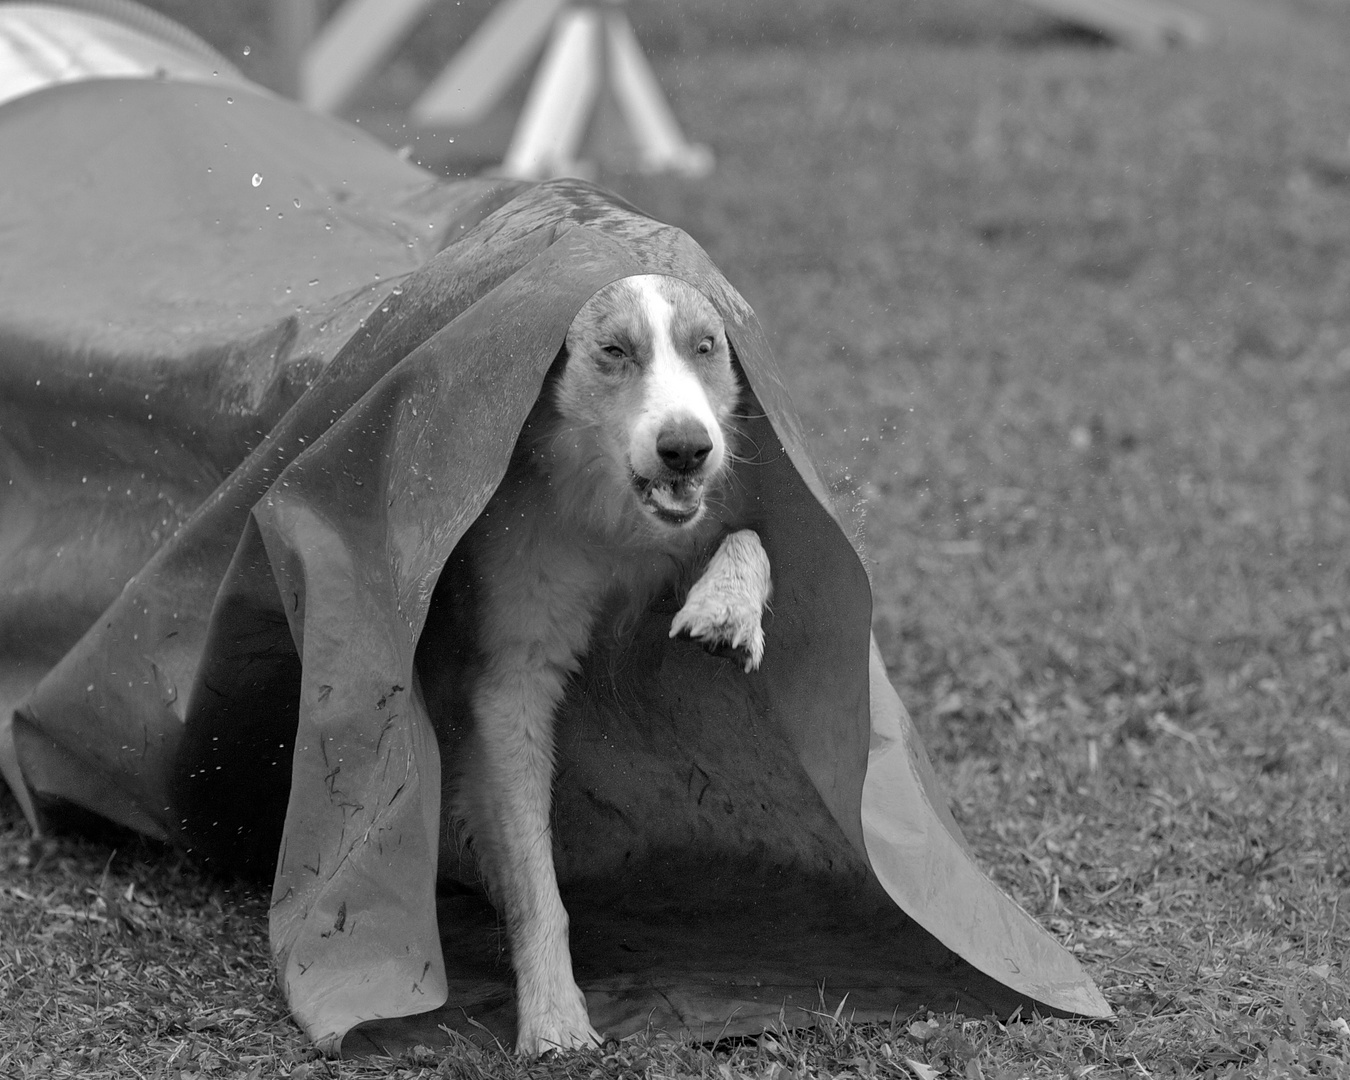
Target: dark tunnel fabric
{"points": [[257, 375]]}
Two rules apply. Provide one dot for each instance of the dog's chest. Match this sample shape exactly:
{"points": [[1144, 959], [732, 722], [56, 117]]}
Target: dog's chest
{"points": [[541, 584]]}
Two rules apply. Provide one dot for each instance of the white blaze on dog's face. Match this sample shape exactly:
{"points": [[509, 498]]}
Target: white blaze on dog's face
{"points": [[645, 398]]}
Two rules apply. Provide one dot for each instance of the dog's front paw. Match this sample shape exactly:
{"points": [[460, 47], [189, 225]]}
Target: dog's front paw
{"points": [[559, 1025], [721, 626], [726, 605]]}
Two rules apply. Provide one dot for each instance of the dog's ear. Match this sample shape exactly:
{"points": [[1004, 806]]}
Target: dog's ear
{"points": [[554, 372], [546, 405], [559, 362], [742, 383]]}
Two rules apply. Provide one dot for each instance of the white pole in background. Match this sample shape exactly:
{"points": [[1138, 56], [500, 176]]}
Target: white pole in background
{"points": [[591, 51], [352, 44]]}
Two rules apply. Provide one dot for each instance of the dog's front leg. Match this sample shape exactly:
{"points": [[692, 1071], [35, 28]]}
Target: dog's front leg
{"points": [[725, 607], [506, 802]]}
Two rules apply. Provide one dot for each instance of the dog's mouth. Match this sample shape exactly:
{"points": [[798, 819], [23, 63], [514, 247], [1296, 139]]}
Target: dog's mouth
{"points": [[675, 501]]}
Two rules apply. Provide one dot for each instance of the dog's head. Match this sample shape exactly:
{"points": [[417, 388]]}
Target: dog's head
{"points": [[644, 401]]}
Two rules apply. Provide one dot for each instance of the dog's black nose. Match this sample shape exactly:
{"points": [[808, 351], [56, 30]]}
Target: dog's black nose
{"points": [[683, 445]]}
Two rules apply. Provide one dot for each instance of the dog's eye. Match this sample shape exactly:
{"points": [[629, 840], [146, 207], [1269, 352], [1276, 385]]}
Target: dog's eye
{"points": [[705, 346], [614, 351]]}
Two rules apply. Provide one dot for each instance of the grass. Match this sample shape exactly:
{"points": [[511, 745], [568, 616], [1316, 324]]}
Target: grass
{"points": [[1070, 329]]}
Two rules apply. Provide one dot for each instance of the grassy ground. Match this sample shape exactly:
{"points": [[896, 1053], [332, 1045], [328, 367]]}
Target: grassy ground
{"points": [[1071, 330]]}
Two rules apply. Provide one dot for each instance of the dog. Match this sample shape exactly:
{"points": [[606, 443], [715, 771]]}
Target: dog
{"points": [[609, 500]]}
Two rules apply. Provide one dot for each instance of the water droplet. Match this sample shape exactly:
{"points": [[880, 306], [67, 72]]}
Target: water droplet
{"points": [[327, 226], [313, 283], [397, 290], [248, 49], [229, 101], [257, 179], [208, 168], [295, 203]]}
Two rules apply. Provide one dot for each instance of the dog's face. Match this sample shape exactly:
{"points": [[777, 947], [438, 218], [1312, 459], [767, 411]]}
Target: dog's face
{"points": [[645, 398]]}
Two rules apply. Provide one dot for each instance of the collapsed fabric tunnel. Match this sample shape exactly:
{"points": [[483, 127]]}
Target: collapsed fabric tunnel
{"points": [[257, 376]]}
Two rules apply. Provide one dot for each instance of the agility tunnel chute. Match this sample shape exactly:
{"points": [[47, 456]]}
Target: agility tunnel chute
{"points": [[257, 375]]}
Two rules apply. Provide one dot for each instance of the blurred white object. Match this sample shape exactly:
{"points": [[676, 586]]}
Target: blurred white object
{"points": [[347, 48], [594, 52], [43, 45], [483, 70], [592, 60]]}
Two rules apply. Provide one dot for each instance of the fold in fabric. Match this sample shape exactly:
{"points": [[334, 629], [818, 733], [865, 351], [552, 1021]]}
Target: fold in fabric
{"points": [[239, 451]]}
